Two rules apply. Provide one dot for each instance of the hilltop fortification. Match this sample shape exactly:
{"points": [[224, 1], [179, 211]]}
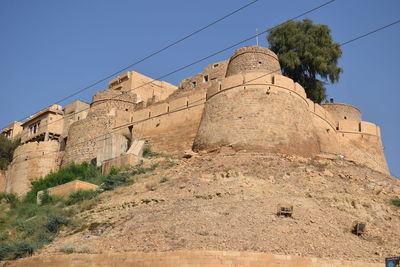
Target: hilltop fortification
{"points": [[244, 103]]}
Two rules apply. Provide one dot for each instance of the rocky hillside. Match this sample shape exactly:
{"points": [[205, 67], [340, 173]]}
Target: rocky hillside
{"points": [[228, 201]]}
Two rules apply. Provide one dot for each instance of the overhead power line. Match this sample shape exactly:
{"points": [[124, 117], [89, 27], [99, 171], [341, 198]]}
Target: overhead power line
{"points": [[133, 123], [153, 54], [266, 74], [207, 57], [371, 32]]}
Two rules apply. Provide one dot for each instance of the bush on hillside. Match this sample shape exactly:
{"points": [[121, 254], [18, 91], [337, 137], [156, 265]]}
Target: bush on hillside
{"points": [[396, 202], [7, 148], [80, 196]]}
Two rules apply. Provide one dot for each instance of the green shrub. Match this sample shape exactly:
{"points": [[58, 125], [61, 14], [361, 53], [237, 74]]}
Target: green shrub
{"points": [[68, 249], [9, 198], [5, 250], [54, 222], [36, 225], [23, 248], [163, 180], [7, 148], [45, 198], [396, 202], [80, 196], [148, 153], [113, 181], [84, 172]]}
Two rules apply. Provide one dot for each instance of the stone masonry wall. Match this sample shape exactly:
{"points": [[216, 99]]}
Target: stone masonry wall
{"points": [[264, 114], [171, 126], [3, 181], [32, 161], [253, 59], [183, 258], [341, 111]]}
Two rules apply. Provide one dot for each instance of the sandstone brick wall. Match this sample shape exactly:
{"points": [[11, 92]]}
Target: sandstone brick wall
{"points": [[211, 74], [341, 111], [3, 181], [73, 112], [364, 149], [184, 258], [118, 162], [265, 114], [170, 127], [84, 137], [144, 87], [32, 161], [66, 189], [12, 131], [253, 59]]}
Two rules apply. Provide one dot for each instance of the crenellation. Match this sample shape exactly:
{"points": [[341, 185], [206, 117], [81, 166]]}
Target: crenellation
{"points": [[243, 102]]}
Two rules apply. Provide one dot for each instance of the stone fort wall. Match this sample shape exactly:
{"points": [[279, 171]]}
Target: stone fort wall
{"points": [[244, 103], [170, 126], [257, 114], [32, 161], [232, 117]]}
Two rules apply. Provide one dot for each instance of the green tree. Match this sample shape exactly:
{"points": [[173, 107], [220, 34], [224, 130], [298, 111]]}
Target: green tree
{"points": [[7, 148], [307, 55]]}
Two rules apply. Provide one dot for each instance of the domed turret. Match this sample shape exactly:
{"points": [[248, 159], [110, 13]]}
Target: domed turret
{"points": [[253, 59]]}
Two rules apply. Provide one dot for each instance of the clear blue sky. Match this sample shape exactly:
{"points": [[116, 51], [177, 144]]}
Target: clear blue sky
{"points": [[51, 48]]}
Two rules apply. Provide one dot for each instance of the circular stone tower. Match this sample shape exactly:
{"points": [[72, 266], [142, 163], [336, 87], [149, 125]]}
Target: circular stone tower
{"points": [[254, 114], [253, 59]]}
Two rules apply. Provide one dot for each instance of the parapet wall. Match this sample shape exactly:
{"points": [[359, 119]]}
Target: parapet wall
{"points": [[32, 161], [253, 59], [340, 111], [184, 258], [211, 74], [170, 126]]}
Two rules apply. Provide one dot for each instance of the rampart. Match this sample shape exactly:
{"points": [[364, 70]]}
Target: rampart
{"points": [[244, 103], [170, 126], [257, 112], [340, 111], [32, 161]]}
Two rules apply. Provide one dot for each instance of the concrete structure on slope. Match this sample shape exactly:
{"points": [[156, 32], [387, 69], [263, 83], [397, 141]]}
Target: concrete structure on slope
{"points": [[244, 103]]}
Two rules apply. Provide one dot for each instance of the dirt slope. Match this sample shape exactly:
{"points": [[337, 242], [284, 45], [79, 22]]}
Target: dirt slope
{"points": [[228, 202]]}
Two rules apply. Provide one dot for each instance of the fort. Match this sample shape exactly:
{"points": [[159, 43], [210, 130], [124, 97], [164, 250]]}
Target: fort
{"points": [[244, 103]]}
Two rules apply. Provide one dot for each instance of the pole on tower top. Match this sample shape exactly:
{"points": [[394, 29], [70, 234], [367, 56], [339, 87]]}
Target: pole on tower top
{"points": [[256, 36]]}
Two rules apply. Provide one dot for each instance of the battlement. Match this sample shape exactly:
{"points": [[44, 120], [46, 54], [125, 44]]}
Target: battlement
{"points": [[244, 102], [253, 59], [211, 75]]}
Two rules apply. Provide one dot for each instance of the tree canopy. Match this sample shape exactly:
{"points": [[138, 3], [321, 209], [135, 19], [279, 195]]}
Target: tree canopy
{"points": [[307, 55], [7, 148]]}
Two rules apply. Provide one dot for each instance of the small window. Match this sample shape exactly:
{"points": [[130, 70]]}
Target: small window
{"points": [[205, 78], [345, 117], [259, 62], [215, 66], [194, 84]]}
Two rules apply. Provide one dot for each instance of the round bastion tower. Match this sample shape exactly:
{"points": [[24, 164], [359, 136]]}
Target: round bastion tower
{"points": [[256, 109]]}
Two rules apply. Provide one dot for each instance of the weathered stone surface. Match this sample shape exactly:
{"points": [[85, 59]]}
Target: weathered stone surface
{"points": [[183, 258], [66, 189]]}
